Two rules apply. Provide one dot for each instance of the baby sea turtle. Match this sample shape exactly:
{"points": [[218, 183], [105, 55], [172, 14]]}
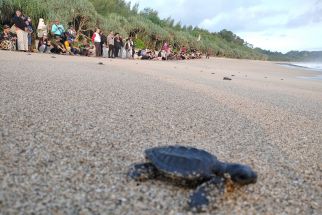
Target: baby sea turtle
{"points": [[192, 167]]}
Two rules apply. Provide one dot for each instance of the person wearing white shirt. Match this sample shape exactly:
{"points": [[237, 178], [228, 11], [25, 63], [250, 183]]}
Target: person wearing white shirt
{"points": [[97, 42]]}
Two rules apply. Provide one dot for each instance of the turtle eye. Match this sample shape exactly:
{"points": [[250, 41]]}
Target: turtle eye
{"points": [[242, 174], [246, 178], [242, 179]]}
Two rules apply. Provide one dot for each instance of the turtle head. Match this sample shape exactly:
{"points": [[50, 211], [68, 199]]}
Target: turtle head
{"points": [[241, 174]]}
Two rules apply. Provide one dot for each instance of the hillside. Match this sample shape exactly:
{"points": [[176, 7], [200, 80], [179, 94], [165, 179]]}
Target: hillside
{"points": [[301, 56], [146, 26]]}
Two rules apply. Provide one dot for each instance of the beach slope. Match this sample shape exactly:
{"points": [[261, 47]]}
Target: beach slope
{"points": [[70, 127]]}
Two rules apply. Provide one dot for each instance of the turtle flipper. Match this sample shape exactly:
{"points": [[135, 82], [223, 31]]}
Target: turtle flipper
{"points": [[142, 171], [199, 198]]}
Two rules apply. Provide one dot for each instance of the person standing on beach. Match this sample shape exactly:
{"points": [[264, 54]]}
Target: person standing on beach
{"points": [[128, 47], [110, 41], [21, 31], [96, 39], [117, 45], [122, 53], [42, 28], [132, 47], [103, 43], [30, 31]]}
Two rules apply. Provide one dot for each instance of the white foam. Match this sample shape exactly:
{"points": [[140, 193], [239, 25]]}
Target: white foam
{"points": [[309, 65]]}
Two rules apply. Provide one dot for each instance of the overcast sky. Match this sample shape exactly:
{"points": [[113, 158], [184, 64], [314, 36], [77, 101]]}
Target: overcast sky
{"points": [[277, 25]]}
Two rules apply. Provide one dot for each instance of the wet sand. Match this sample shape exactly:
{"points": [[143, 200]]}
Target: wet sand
{"points": [[70, 128]]}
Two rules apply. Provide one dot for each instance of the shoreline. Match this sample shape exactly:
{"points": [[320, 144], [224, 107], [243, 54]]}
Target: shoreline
{"points": [[297, 65], [293, 65]]}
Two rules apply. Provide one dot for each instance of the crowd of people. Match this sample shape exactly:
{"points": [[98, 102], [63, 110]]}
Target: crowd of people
{"points": [[55, 39], [19, 36]]}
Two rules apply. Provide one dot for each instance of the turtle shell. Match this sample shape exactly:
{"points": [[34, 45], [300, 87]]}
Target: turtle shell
{"points": [[183, 162]]}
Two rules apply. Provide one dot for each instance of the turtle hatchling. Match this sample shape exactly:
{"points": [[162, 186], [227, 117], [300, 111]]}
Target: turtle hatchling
{"points": [[192, 167]]}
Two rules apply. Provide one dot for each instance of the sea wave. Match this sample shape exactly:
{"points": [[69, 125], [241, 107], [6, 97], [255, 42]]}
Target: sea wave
{"points": [[313, 66], [308, 65]]}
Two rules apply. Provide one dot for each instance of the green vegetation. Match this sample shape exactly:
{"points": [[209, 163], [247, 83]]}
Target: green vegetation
{"points": [[305, 56], [148, 28], [292, 55]]}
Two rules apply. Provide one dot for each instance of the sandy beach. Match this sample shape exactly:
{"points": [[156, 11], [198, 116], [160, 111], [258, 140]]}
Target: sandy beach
{"points": [[70, 128]]}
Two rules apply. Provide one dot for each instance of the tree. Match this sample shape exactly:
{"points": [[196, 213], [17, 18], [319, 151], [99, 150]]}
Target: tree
{"points": [[151, 15], [147, 26]]}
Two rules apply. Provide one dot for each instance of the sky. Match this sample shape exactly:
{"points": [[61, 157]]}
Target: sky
{"points": [[276, 25]]}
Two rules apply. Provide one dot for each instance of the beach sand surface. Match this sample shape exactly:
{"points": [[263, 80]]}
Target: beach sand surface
{"points": [[70, 128]]}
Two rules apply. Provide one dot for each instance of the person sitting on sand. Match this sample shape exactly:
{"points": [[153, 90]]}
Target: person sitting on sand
{"points": [[84, 48], [58, 47], [165, 47], [7, 39], [71, 33], [208, 53], [171, 55], [44, 44], [141, 53], [183, 52], [69, 48], [192, 55], [155, 55]]}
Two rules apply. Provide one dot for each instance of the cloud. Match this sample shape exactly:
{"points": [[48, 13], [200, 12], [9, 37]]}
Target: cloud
{"points": [[253, 18], [313, 15], [286, 39], [236, 15], [275, 24]]}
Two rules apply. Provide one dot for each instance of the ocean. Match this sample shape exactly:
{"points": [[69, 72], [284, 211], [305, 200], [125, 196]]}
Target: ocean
{"points": [[312, 66]]}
